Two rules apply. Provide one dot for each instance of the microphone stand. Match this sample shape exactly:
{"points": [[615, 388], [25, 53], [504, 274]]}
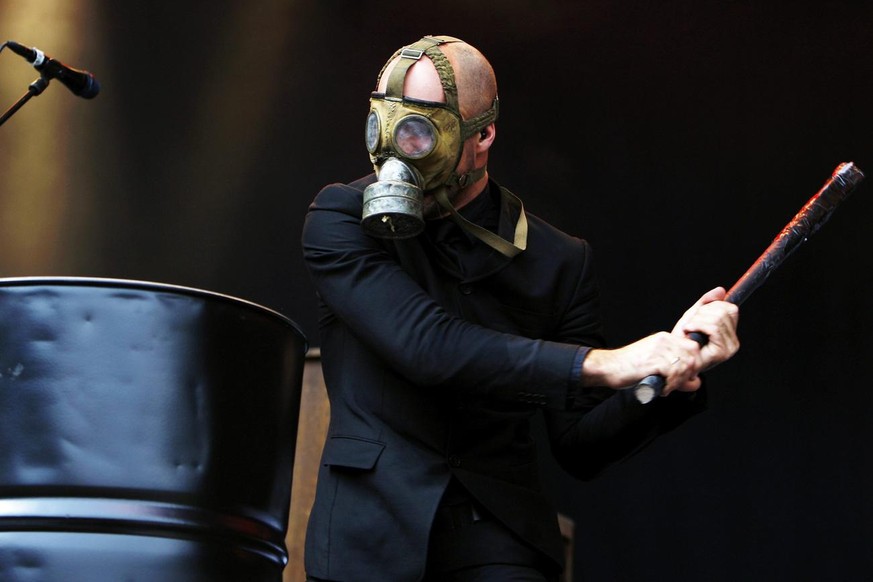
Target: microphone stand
{"points": [[33, 90]]}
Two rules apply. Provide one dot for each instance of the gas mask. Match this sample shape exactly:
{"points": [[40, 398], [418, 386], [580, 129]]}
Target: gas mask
{"points": [[415, 146]]}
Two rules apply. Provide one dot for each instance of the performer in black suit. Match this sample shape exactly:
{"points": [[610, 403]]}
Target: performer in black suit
{"points": [[439, 346]]}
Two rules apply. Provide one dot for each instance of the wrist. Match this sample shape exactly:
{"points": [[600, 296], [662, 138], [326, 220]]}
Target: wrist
{"points": [[602, 368]]}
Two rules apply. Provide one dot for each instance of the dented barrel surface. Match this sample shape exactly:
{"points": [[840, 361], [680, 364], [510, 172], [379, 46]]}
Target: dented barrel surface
{"points": [[146, 432]]}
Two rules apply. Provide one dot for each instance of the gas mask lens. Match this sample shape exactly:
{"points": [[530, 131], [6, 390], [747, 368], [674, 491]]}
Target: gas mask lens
{"points": [[414, 136], [372, 132]]}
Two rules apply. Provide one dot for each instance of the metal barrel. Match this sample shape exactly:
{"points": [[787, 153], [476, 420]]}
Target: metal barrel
{"points": [[146, 432]]}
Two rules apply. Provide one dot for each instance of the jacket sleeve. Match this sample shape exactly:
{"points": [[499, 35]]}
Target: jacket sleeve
{"points": [[367, 290], [603, 426]]}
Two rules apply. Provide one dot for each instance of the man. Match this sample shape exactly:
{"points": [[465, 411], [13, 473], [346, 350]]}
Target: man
{"points": [[438, 347]]}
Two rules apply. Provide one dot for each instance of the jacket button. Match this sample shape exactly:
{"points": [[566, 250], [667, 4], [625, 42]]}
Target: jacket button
{"points": [[455, 461], [466, 288]]}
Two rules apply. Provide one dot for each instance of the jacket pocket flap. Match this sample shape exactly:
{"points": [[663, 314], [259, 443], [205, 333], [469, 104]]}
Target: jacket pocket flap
{"points": [[351, 452]]}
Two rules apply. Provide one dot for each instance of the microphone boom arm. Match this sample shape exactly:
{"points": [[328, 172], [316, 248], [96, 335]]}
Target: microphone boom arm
{"points": [[34, 89]]}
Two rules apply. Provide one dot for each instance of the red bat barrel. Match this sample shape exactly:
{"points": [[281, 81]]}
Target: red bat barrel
{"points": [[805, 223]]}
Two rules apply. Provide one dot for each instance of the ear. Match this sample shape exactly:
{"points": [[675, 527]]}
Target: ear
{"points": [[486, 137]]}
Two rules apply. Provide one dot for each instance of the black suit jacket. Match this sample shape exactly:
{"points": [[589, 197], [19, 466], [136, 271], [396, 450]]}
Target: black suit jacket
{"points": [[432, 374]]}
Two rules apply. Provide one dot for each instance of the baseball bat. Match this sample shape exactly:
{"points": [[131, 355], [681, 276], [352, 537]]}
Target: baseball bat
{"points": [[805, 223]]}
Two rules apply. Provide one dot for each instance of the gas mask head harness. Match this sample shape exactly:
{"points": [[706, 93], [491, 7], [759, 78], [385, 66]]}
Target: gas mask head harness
{"points": [[415, 147]]}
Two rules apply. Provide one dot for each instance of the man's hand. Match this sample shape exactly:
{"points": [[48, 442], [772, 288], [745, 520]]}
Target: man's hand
{"points": [[717, 320], [673, 355]]}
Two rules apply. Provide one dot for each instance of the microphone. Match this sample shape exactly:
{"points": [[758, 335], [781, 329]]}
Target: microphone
{"points": [[81, 83]]}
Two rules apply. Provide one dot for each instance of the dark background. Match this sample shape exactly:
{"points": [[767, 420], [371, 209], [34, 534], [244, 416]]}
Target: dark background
{"points": [[678, 137]]}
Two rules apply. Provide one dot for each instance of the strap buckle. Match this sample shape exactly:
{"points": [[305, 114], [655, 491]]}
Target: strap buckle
{"points": [[411, 53]]}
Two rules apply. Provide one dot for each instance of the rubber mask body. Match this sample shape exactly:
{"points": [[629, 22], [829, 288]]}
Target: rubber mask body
{"points": [[414, 147], [423, 134]]}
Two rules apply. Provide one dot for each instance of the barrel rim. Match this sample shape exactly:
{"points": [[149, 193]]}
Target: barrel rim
{"points": [[108, 282]]}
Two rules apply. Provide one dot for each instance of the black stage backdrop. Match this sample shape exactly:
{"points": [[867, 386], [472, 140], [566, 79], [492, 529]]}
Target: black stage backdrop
{"points": [[677, 137]]}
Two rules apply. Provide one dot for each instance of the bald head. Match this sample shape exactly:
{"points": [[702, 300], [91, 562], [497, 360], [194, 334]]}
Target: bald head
{"points": [[477, 85], [474, 77]]}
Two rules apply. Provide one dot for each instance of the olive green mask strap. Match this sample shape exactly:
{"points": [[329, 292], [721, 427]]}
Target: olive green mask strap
{"points": [[474, 125], [491, 239], [410, 55], [429, 46]]}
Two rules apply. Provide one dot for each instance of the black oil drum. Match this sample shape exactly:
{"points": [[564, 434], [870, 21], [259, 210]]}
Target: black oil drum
{"points": [[146, 432]]}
